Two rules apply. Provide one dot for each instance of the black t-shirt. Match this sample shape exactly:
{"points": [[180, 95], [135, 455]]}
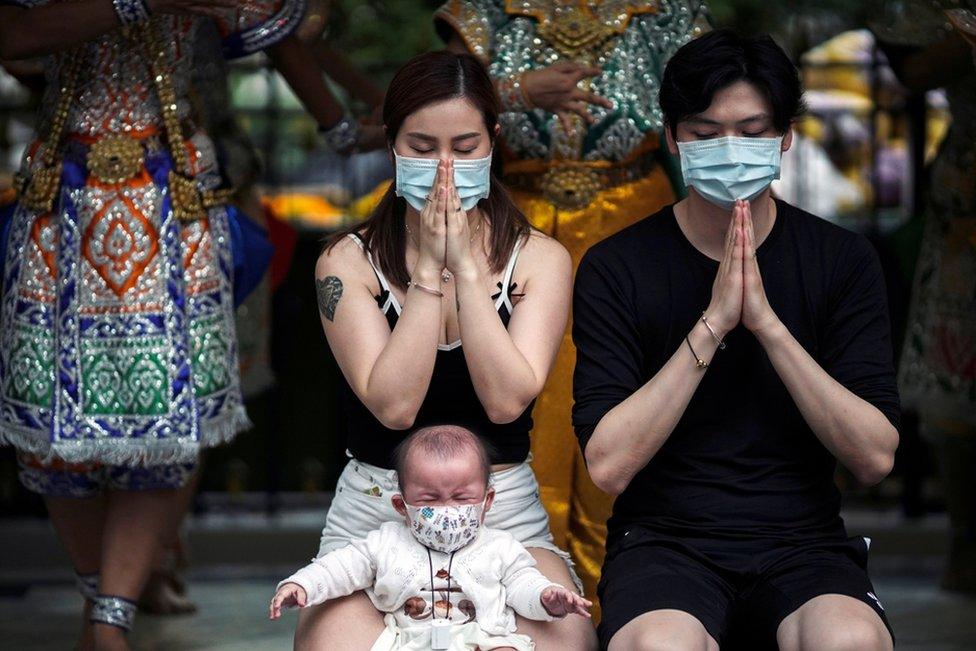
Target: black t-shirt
{"points": [[741, 464]]}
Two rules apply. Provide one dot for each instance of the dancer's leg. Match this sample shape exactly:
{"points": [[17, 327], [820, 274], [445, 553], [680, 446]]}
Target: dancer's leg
{"points": [[165, 590], [135, 523], [78, 523]]}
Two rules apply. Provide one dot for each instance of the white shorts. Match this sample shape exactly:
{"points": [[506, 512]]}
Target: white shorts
{"points": [[362, 503]]}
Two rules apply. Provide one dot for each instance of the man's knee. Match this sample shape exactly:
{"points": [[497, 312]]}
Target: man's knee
{"points": [[858, 634], [663, 631], [834, 623], [658, 641]]}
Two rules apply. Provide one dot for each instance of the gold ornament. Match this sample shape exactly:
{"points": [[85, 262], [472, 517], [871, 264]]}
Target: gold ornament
{"points": [[575, 31], [579, 29], [41, 188], [185, 198], [114, 159], [571, 187]]}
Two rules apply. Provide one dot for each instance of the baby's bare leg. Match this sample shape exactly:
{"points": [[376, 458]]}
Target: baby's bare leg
{"points": [[347, 624]]}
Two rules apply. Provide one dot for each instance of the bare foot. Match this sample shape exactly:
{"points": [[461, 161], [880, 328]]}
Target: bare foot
{"points": [[162, 596]]}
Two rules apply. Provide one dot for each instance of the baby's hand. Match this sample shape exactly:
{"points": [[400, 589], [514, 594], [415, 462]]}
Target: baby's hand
{"points": [[290, 594], [559, 602]]}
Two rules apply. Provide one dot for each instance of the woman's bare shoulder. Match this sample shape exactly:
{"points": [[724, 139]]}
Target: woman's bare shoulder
{"points": [[542, 253], [344, 256]]}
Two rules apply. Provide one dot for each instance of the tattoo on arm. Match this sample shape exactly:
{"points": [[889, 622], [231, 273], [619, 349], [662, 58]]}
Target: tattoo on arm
{"points": [[329, 291]]}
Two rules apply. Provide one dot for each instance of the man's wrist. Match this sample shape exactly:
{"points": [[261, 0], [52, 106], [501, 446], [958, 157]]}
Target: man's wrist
{"points": [[714, 327], [771, 333]]}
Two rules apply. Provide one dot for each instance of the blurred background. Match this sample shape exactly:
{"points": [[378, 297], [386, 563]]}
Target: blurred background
{"points": [[861, 159]]}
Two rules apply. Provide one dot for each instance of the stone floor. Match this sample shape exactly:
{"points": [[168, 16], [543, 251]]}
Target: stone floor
{"points": [[39, 609], [233, 614]]}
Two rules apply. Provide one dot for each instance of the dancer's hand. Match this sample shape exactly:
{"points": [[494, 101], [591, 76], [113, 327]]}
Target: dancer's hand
{"points": [[458, 258], [725, 309], [288, 595], [371, 137], [197, 7], [757, 315], [559, 602], [555, 89], [432, 238]]}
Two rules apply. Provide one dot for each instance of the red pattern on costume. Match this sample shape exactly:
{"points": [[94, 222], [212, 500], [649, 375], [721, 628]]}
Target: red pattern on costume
{"points": [[40, 257], [120, 249], [198, 258]]}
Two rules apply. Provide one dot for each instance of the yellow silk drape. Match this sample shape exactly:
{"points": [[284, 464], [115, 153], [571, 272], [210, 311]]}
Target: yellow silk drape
{"points": [[578, 510]]}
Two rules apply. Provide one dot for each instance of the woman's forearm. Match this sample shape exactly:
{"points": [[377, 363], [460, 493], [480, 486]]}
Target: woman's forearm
{"points": [[28, 33], [855, 431], [342, 71], [400, 376], [296, 63], [630, 434], [503, 378]]}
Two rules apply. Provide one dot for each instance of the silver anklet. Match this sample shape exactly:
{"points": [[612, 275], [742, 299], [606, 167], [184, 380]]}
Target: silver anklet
{"points": [[114, 611]]}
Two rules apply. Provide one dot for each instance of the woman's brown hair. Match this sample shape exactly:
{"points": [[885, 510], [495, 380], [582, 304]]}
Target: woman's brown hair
{"points": [[427, 79]]}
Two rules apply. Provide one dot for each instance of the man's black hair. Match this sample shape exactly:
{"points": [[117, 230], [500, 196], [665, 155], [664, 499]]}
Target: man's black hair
{"points": [[718, 59]]}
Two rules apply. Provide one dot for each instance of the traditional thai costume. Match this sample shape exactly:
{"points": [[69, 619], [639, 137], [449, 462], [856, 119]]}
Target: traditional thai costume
{"points": [[937, 374], [118, 355], [118, 359], [937, 371], [578, 185]]}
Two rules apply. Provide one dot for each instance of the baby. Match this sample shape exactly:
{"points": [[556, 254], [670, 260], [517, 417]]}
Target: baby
{"points": [[444, 580]]}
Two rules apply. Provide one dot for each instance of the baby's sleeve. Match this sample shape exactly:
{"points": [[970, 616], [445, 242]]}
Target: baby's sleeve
{"points": [[338, 573], [523, 582]]}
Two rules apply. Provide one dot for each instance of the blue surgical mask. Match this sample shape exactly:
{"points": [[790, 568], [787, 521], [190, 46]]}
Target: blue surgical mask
{"points": [[415, 178], [723, 170]]}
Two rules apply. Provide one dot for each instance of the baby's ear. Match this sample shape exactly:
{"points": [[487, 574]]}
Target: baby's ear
{"points": [[399, 504], [489, 499]]}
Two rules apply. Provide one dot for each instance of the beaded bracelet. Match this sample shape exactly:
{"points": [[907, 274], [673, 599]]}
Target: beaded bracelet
{"points": [[131, 12], [701, 363], [343, 136]]}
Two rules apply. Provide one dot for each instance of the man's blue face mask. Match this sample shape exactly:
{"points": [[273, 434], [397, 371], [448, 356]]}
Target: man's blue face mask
{"points": [[415, 178], [723, 170]]}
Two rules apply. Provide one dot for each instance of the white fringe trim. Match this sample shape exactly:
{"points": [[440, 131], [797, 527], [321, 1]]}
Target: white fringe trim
{"points": [[128, 452]]}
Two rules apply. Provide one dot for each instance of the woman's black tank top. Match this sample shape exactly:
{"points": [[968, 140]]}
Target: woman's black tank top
{"points": [[451, 398]]}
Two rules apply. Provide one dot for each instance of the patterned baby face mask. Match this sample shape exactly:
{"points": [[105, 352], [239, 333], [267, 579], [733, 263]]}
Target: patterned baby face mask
{"points": [[445, 528]]}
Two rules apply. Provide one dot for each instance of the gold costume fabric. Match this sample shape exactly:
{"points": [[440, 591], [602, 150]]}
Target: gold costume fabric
{"points": [[578, 510], [578, 184]]}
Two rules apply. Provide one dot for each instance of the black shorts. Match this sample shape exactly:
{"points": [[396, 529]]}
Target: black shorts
{"points": [[740, 595]]}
